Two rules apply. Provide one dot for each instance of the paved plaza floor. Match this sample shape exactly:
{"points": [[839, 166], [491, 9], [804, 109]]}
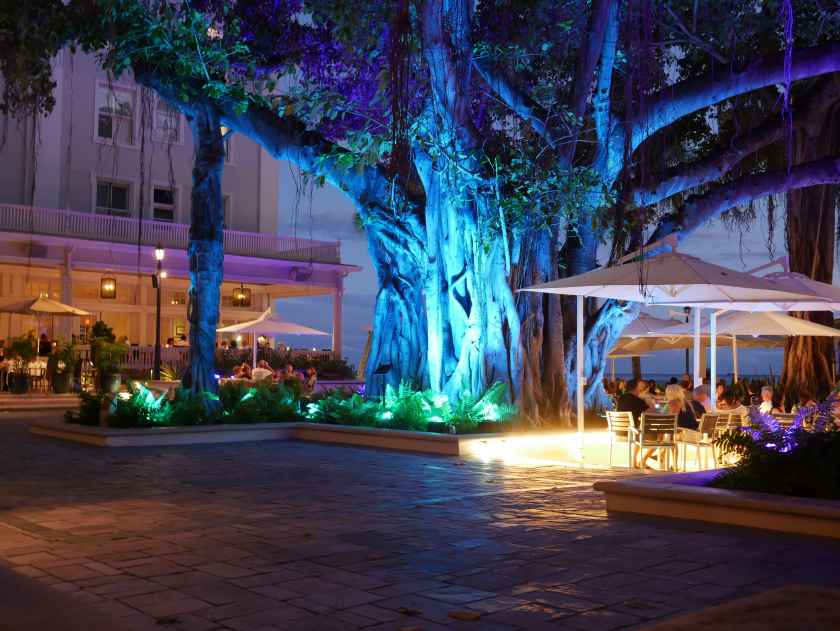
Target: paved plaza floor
{"points": [[276, 535]]}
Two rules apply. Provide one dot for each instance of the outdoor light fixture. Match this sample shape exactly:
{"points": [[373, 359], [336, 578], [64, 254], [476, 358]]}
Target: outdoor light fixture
{"points": [[159, 252], [108, 287], [241, 296]]}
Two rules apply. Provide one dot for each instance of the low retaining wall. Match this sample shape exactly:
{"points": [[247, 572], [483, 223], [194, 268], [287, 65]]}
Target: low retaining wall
{"points": [[685, 496], [400, 440]]}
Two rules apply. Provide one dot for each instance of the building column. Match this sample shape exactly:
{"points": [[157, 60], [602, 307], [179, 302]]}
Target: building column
{"points": [[338, 295], [143, 298], [67, 325]]}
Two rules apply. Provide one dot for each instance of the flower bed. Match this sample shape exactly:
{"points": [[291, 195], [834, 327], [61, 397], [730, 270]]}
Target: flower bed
{"points": [[400, 408], [802, 460]]}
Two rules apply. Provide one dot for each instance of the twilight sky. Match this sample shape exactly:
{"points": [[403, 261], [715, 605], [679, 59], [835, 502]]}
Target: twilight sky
{"points": [[330, 216]]}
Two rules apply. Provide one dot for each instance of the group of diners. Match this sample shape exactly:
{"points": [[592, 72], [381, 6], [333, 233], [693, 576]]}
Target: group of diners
{"points": [[263, 372]]}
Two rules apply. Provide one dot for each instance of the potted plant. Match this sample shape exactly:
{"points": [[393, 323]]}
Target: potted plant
{"points": [[22, 351], [61, 367], [107, 359]]}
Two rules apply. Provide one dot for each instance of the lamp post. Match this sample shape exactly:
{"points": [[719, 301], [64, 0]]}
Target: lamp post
{"points": [[156, 281]]}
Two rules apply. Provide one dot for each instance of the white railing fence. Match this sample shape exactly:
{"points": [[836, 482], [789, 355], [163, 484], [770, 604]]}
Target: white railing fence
{"points": [[96, 227]]}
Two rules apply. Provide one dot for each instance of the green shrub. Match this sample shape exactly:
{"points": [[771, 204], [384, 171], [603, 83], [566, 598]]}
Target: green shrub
{"points": [[786, 461], [88, 412], [259, 404], [190, 408], [339, 408]]}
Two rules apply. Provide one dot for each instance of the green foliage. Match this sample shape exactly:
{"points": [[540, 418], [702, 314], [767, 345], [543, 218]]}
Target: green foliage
{"points": [[107, 356], [407, 408], [259, 404], [192, 408], [100, 330], [23, 350], [63, 360], [808, 466], [88, 412]]}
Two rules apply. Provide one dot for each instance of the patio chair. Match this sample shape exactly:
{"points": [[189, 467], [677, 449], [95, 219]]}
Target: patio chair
{"points": [[37, 376], [621, 428], [701, 438], [658, 431], [724, 423]]}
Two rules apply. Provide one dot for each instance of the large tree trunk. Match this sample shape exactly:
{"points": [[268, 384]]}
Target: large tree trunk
{"points": [[206, 248], [399, 340], [473, 325], [809, 361]]}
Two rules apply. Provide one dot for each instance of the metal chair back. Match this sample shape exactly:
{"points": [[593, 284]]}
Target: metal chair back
{"points": [[658, 424], [619, 422]]}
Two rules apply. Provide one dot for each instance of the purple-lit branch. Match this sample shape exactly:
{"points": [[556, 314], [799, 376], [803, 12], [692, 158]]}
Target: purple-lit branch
{"points": [[702, 208], [716, 165], [687, 97]]}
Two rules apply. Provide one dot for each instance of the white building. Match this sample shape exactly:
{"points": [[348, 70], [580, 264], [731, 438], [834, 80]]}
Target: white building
{"points": [[72, 188]]}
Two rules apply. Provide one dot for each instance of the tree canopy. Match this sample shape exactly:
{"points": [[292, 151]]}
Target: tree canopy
{"points": [[486, 146]]}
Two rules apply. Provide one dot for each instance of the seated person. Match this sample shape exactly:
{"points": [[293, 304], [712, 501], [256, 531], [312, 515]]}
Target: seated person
{"points": [[729, 403], [675, 396], [243, 371], [262, 371], [646, 395], [290, 373], [701, 403], [631, 401], [310, 380], [767, 405]]}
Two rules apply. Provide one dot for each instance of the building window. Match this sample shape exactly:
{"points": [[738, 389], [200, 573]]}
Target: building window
{"points": [[113, 198], [228, 135], [226, 204], [115, 114], [167, 122], [163, 204], [178, 298]]}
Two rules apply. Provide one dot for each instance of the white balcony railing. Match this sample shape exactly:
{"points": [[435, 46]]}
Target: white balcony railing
{"points": [[95, 227]]}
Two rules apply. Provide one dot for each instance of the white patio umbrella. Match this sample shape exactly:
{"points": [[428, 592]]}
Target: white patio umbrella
{"points": [[751, 325], [670, 278], [269, 323], [35, 306]]}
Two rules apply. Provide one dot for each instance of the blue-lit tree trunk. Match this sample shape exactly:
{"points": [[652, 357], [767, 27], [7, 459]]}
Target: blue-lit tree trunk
{"points": [[206, 247], [473, 324], [399, 341]]}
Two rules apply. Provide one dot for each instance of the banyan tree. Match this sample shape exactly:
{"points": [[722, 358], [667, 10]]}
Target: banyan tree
{"points": [[486, 146]]}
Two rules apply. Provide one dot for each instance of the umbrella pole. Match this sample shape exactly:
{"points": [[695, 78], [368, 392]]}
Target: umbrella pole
{"points": [[698, 379], [735, 358], [254, 350], [579, 366], [713, 358]]}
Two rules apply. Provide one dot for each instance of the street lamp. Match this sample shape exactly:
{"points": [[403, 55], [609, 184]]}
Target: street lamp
{"points": [[156, 281]]}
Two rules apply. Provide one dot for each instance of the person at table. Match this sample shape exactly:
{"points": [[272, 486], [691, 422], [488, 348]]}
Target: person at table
{"points": [[701, 402], [243, 371], [675, 397], [631, 401], [645, 394], [720, 389], [767, 405], [262, 371], [310, 380], [44, 346], [731, 404]]}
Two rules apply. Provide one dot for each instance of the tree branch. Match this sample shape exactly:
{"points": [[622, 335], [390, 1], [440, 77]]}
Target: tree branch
{"points": [[716, 165], [684, 98], [602, 110], [702, 208], [517, 101]]}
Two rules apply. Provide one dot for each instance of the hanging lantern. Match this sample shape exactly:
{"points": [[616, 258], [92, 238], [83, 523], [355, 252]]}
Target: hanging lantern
{"points": [[108, 287], [241, 296]]}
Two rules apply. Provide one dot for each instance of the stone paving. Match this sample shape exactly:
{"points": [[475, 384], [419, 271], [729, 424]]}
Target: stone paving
{"points": [[275, 535]]}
